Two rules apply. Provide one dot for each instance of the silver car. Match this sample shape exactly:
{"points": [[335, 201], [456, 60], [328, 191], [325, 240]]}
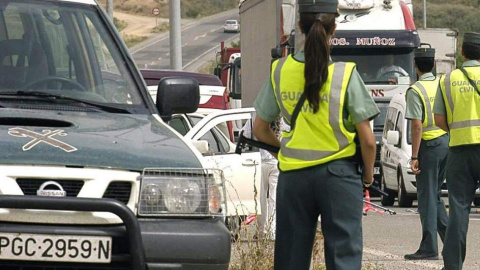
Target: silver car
{"points": [[231, 26]]}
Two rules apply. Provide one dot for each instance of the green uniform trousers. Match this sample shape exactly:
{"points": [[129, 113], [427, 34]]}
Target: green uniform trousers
{"points": [[432, 159], [463, 174], [333, 191]]}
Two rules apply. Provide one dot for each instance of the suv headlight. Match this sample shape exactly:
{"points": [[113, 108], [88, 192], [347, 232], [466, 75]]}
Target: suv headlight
{"points": [[182, 192]]}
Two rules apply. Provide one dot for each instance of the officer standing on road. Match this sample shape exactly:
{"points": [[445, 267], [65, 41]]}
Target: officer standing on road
{"points": [[457, 110], [429, 155], [326, 105]]}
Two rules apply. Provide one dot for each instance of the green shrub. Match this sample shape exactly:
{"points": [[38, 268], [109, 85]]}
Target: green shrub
{"points": [[119, 24]]}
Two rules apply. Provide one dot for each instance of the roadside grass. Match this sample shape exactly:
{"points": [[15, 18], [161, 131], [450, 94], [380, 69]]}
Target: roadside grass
{"points": [[120, 24], [161, 27], [208, 67], [251, 254], [190, 8], [132, 40]]}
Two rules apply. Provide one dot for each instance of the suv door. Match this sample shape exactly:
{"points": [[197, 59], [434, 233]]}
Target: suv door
{"points": [[242, 172]]}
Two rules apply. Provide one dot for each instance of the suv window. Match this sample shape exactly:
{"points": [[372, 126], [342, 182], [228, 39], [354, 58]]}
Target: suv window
{"points": [[179, 124], [399, 125], [390, 121], [60, 49]]}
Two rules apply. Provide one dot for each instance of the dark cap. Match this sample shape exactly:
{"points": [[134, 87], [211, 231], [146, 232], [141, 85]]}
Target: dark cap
{"points": [[471, 38], [317, 6], [424, 52]]}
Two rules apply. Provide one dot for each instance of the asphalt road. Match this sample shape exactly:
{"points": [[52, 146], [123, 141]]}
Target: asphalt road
{"points": [[199, 39], [387, 238]]}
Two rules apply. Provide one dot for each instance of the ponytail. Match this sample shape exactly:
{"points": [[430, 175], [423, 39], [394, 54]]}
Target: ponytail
{"points": [[316, 27]]}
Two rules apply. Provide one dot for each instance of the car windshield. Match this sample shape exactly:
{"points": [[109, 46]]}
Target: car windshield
{"points": [[379, 121], [63, 49], [231, 22], [379, 66]]}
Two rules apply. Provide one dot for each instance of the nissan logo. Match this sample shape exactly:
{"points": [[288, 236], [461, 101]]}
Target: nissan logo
{"points": [[56, 192]]}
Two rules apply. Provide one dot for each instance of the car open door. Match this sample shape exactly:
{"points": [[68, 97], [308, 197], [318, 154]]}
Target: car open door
{"points": [[242, 172]]}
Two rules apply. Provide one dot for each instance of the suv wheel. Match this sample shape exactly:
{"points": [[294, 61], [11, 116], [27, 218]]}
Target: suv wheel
{"points": [[403, 199], [390, 199]]}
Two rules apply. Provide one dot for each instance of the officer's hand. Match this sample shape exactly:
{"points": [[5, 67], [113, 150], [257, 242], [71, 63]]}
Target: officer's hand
{"points": [[367, 177], [414, 165]]}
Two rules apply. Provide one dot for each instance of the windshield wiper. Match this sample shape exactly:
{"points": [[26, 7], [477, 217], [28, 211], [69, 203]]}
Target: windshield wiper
{"points": [[40, 94]]}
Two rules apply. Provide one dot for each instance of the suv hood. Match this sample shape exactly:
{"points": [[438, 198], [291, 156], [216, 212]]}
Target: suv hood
{"points": [[101, 140]]}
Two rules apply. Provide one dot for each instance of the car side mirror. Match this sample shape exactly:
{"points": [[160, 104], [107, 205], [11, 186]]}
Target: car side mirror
{"points": [[202, 146], [177, 95], [393, 137]]}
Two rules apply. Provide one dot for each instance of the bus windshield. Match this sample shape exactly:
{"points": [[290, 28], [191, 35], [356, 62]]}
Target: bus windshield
{"points": [[378, 65]]}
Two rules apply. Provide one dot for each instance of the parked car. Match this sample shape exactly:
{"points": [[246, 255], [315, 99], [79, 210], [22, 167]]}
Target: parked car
{"points": [[231, 26], [91, 175], [397, 178], [242, 172]]}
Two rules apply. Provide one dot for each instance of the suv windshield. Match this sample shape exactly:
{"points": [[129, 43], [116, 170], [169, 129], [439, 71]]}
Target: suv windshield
{"points": [[379, 66], [62, 49]]}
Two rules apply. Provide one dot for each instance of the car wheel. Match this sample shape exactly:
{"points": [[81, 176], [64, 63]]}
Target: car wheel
{"points": [[234, 224], [403, 199], [476, 201], [390, 199]]}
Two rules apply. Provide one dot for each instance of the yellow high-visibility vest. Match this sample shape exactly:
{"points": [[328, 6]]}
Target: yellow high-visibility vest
{"points": [[427, 91], [317, 138], [462, 103]]}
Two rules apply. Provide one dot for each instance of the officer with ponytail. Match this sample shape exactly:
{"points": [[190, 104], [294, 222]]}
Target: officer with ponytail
{"points": [[327, 107]]}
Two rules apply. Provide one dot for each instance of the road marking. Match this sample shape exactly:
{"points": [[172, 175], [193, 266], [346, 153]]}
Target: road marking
{"points": [[207, 52], [383, 254], [202, 36]]}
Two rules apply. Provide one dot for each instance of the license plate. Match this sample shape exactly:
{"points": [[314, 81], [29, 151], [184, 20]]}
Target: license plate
{"points": [[376, 170], [57, 248]]}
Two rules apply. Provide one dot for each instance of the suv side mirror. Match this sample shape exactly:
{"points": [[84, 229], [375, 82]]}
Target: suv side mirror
{"points": [[393, 137], [177, 95]]}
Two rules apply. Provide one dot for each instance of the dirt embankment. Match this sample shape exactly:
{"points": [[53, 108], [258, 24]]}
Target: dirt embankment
{"points": [[138, 25]]}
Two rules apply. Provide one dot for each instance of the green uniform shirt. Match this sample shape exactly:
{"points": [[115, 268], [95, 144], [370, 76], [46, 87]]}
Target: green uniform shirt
{"points": [[415, 110], [359, 105], [439, 106]]}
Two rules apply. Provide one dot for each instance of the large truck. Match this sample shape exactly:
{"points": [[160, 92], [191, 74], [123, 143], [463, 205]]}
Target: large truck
{"points": [[444, 40], [382, 51]]}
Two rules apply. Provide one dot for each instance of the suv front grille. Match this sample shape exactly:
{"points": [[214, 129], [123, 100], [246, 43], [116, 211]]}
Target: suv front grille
{"points": [[30, 186], [119, 190]]}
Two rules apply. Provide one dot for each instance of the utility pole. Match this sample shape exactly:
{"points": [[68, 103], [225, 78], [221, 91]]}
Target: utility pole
{"points": [[110, 9], [175, 36], [424, 14]]}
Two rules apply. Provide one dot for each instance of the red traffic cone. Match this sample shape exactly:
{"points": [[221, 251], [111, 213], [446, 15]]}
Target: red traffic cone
{"points": [[367, 206]]}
